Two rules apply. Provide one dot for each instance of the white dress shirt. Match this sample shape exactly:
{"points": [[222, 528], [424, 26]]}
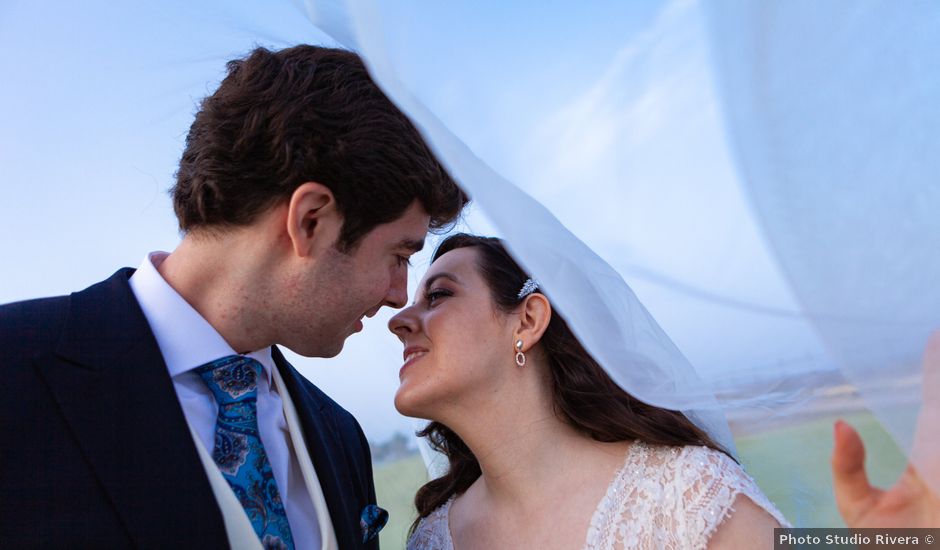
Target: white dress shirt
{"points": [[187, 341]]}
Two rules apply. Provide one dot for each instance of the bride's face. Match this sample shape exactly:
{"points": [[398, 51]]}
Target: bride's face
{"points": [[456, 342]]}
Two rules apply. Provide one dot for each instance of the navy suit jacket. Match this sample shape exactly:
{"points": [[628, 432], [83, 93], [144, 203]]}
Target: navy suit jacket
{"points": [[95, 451]]}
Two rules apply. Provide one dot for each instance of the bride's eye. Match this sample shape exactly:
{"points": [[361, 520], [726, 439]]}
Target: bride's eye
{"points": [[432, 296]]}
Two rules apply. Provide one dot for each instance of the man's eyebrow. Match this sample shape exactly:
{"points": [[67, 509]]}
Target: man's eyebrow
{"points": [[413, 245]]}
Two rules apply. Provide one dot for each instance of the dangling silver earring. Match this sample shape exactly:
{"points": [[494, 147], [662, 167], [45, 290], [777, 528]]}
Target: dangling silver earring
{"points": [[520, 357]]}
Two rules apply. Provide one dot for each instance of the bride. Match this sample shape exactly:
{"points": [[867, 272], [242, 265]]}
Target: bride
{"points": [[545, 450]]}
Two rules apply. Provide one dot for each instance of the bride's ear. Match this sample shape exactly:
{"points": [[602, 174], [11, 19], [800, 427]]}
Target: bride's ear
{"points": [[534, 314]]}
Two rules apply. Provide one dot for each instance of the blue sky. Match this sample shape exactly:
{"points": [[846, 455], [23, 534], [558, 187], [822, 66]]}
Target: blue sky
{"points": [[612, 122]]}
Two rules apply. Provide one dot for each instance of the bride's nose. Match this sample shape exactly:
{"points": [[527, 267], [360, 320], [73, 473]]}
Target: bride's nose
{"points": [[404, 322]]}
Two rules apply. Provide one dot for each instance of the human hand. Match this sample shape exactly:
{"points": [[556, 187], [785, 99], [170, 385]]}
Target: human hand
{"points": [[909, 503]]}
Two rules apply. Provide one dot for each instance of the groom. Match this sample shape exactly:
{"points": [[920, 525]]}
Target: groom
{"points": [[152, 409]]}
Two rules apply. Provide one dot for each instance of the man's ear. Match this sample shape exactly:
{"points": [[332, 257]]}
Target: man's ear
{"points": [[313, 219], [534, 314]]}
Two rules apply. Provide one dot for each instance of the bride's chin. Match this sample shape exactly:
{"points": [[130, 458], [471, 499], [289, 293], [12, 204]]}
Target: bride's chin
{"points": [[410, 413], [409, 404], [403, 405]]}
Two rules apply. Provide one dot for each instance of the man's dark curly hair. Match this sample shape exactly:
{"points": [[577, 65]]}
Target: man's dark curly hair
{"points": [[283, 118]]}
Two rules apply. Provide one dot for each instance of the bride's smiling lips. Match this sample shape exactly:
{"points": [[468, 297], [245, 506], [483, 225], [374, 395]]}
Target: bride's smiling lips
{"points": [[410, 355]]}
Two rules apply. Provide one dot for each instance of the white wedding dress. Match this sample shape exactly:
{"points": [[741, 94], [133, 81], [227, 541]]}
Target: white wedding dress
{"points": [[663, 497]]}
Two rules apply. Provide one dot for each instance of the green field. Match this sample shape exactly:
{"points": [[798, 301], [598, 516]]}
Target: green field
{"points": [[395, 487], [790, 464]]}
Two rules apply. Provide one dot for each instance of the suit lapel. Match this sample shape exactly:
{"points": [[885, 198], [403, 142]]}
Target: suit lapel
{"points": [[326, 452], [113, 388]]}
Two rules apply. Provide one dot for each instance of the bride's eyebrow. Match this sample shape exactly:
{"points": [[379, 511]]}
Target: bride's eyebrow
{"points": [[436, 276], [442, 275]]}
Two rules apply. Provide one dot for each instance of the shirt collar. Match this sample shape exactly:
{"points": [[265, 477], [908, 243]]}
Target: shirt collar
{"points": [[186, 340]]}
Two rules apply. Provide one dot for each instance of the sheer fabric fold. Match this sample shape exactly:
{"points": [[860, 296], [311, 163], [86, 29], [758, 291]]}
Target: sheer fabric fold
{"points": [[733, 204]]}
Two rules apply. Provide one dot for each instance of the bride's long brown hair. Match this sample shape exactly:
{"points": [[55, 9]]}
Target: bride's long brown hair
{"points": [[583, 394]]}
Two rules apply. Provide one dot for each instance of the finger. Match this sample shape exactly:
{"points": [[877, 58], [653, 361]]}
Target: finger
{"points": [[932, 351], [926, 450], [913, 483], [849, 479]]}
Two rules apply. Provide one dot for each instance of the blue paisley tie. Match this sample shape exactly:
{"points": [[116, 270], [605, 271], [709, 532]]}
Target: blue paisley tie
{"points": [[238, 450]]}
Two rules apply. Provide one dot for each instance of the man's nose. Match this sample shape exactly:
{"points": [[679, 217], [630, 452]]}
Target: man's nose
{"points": [[397, 295]]}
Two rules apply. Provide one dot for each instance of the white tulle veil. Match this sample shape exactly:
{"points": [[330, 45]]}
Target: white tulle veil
{"points": [[763, 175], [830, 117]]}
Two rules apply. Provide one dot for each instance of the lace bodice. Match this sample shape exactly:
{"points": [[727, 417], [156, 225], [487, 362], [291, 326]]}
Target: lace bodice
{"points": [[662, 497]]}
